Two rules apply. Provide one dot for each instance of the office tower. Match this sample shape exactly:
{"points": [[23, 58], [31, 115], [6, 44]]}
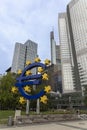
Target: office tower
{"points": [[22, 53], [76, 26], [66, 62], [77, 20], [58, 63], [55, 68], [53, 48], [58, 58], [55, 51]]}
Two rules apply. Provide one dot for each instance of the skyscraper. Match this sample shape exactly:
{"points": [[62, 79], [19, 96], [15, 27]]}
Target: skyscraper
{"points": [[66, 62], [53, 48], [55, 51], [77, 19], [73, 32], [55, 68], [22, 53], [58, 58]]}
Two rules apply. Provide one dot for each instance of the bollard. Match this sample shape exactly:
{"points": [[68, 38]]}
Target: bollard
{"points": [[10, 121]]}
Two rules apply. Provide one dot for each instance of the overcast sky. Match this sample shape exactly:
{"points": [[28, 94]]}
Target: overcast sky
{"points": [[21, 20]]}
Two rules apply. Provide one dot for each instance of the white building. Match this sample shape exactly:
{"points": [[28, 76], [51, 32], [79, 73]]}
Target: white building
{"points": [[53, 48], [65, 51], [58, 58], [77, 19], [73, 39], [22, 53]]}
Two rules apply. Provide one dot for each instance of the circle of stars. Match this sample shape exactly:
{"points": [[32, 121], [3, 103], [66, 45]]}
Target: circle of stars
{"points": [[27, 88]]}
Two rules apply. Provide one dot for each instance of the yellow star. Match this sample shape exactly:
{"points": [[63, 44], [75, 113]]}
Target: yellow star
{"points": [[37, 59], [27, 89], [47, 62], [40, 69], [45, 76], [28, 62], [22, 100], [19, 71], [28, 73], [43, 99], [14, 89], [47, 88]]}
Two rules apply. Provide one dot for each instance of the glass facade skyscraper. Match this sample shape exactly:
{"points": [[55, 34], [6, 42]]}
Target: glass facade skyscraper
{"points": [[22, 53], [55, 51], [73, 40], [66, 62], [77, 18], [56, 81], [53, 48]]}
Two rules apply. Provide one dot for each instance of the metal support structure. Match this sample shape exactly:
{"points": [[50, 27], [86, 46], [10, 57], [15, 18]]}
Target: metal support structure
{"points": [[38, 106], [27, 107]]}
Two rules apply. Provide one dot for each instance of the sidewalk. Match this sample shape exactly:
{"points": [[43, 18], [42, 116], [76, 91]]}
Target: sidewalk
{"points": [[72, 125]]}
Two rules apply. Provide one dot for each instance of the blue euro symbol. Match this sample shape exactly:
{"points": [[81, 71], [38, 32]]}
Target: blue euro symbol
{"points": [[24, 80]]}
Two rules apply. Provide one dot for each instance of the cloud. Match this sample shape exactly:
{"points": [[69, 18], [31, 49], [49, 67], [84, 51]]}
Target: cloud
{"points": [[21, 20]]}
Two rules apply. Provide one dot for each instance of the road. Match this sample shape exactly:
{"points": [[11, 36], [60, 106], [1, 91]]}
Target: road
{"points": [[70, 125]]}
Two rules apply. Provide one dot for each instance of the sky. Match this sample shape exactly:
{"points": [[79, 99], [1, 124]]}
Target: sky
{"points": [[21, 20]]}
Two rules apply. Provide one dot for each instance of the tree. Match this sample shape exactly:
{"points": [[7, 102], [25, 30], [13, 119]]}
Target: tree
{"points": [[8, 100]]}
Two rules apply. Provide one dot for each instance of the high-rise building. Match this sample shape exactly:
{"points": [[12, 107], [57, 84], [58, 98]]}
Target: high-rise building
{"points": [[55, 68], [55, 51], [73, 40], [53, 48], [22, 53], [66, 62], [58, 58], [77, 20]]}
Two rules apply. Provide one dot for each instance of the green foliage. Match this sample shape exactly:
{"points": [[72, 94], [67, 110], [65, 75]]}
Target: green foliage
{"points": [[8, 100], [4, 114]]}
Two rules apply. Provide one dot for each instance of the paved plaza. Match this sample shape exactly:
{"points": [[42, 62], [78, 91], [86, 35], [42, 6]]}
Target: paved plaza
{"points": [[71, 125]]}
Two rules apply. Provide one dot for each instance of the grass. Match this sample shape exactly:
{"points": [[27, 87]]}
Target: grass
{"points": [[57, 112], [4, 114]]}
